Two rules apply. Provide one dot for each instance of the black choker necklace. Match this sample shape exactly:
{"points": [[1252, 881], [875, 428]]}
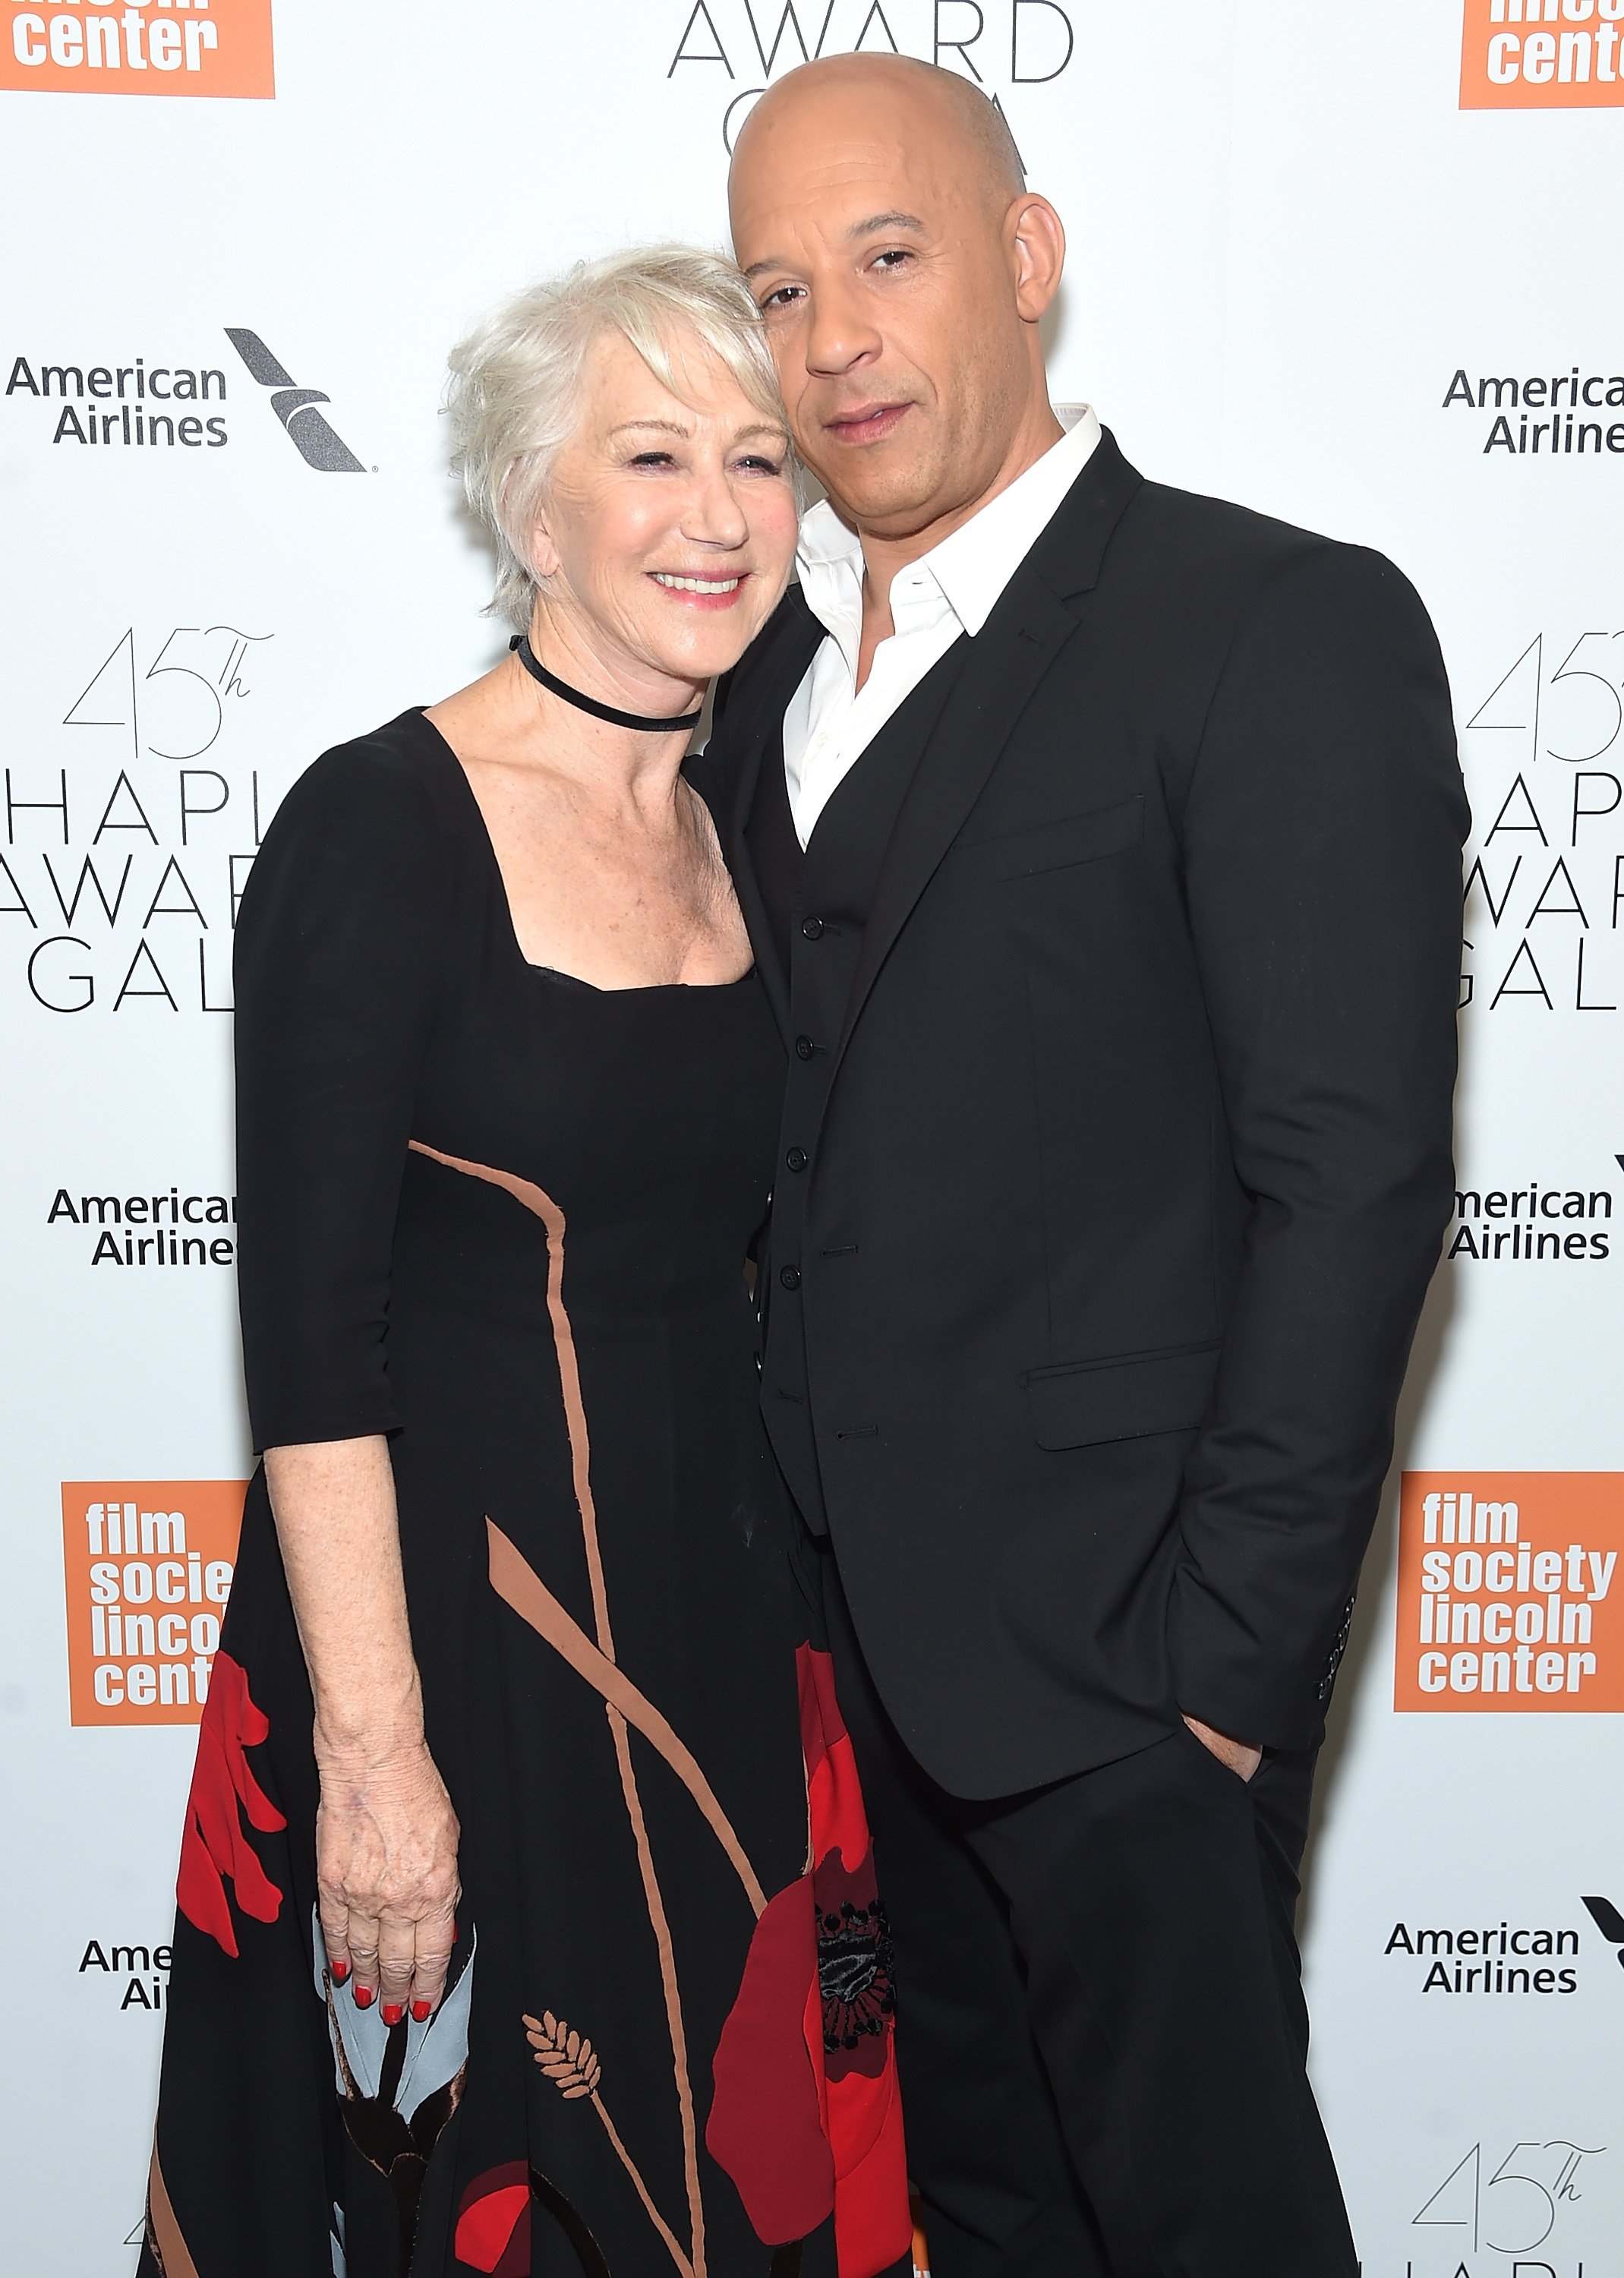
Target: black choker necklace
{"points": [[527, 658]]}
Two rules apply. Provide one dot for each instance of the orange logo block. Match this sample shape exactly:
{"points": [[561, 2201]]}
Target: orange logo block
{"points": [[1542, 55], [149, 1566], [139, 47], [1510, 1593]]}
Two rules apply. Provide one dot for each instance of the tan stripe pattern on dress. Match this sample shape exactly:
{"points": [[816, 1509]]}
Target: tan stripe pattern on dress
{"points": [[542, 1205], [170, 2250]]}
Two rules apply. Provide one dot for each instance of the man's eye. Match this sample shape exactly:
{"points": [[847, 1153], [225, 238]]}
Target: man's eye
{"points": [[781, 297], [892, 259]]}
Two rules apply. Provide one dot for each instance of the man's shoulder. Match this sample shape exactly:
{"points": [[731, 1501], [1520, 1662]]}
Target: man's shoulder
{"points": [[1201, 583], [1194, 542], [1216, 534]]}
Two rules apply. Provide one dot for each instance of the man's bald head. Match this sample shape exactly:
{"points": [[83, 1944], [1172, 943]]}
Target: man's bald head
{"points": [[941, 102], [882, 217]]}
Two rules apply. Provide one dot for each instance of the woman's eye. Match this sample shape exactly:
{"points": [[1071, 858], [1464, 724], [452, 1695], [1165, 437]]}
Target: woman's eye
{"points": [[652, 459], [758, 464]]}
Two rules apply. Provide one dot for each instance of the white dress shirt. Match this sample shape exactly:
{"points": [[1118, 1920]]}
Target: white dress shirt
{"points": [[951, 590]]}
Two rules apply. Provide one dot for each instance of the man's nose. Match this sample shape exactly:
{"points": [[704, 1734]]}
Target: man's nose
{"points": [[840, 333]]}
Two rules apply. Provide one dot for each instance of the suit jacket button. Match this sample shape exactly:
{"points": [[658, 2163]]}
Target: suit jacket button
{"points": [[812, 929], [805, 1048], [790, 1276], [797, 1158]]}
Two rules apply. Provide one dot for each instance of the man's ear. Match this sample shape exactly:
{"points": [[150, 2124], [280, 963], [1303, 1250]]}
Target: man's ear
{"points": [[1036, 239]]}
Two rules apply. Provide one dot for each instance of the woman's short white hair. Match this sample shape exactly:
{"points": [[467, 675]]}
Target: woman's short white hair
{"points": [[514, 397]]}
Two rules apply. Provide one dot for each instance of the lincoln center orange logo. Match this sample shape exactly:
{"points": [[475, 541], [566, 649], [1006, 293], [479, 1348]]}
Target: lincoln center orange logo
{"points": [[1542, 55], [141, 47], [149, 1566], [1510, 1596]]}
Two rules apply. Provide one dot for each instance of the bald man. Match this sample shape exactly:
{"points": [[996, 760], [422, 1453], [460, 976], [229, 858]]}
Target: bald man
{"points": [[1101, 848]]}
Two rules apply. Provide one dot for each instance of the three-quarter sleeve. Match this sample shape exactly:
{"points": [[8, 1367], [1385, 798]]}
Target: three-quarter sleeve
{"points": [[340, 942]]}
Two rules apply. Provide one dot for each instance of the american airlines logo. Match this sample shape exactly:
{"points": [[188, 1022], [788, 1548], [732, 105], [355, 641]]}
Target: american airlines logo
{"points": [[1610, 1922], [317, 443]]}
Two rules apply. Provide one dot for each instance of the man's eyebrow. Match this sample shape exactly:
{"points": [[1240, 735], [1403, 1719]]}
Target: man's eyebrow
{"points": [[869, 228], [881, 221]]}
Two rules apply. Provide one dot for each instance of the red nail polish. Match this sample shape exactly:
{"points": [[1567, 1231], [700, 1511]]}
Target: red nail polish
{"points": [[420, 2011], [341, 1971], [392, 2013], [364, 1996]]}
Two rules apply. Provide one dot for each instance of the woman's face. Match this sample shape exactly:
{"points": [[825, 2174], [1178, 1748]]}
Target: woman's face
{"points": [[669, 527]]}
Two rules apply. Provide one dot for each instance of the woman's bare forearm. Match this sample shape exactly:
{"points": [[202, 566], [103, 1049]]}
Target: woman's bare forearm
{"points": [[386, 1834], [334, 1504]]}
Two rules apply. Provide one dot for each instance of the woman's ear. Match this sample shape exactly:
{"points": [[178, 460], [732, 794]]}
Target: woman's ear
{"points": [[544, 553]]}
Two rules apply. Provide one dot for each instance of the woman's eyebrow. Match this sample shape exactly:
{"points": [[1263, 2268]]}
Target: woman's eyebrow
{"points": [[674, 427]]}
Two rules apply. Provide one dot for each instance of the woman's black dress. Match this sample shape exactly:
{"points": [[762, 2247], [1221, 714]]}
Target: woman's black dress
{"points": [[502, 1216]]}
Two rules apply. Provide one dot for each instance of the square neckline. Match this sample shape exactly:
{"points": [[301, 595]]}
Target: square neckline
{"points": [[419, 712]]}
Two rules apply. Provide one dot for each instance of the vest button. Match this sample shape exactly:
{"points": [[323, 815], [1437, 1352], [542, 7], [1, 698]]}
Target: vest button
{"points": [[790, 1276], [812, 929], [797, 1158], [805, 1048]]}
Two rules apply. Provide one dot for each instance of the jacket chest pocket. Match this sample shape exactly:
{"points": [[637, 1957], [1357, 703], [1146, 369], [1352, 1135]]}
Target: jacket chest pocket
{"points": [[1059, 845], [1080, 1403]]}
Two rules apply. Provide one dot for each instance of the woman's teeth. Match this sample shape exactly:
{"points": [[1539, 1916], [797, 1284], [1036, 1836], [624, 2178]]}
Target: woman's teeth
{"points": [[697, 584]]}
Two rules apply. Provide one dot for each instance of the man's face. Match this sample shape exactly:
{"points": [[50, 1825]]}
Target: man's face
{"points": [[881, 259]]}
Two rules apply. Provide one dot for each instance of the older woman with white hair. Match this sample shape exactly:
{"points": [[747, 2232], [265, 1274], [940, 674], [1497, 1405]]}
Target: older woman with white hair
{"points": [[499, 1947]]}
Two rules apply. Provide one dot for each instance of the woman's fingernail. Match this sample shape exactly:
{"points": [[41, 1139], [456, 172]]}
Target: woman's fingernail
{"points": [[341, 1971], [364, 1996], [420, 2011], [392, 2013]]}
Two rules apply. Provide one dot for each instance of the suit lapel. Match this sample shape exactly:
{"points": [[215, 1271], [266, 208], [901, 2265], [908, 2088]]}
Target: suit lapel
{"points": [[751, 729], [1036, 615]]}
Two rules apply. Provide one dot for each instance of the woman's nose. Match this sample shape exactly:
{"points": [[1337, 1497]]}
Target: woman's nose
{"points": [[715, 515]]}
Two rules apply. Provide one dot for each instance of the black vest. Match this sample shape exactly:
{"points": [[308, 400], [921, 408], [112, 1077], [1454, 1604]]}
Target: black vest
{"points": [[818, 904]]}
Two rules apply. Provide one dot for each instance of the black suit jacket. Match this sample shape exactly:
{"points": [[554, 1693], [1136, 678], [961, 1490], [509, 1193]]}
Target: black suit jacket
{"points": [[1137, 1151]]}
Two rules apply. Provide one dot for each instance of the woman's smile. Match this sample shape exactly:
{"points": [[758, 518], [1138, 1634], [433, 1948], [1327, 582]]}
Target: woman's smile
{"points": [[701, 593]]}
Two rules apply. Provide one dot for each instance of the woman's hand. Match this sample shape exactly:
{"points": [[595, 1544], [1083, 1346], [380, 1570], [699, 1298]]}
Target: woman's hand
{"points": [[386, 1875], [386, 1834]]}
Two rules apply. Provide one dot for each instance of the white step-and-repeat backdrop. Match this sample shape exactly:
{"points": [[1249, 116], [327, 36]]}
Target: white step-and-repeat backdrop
{"points": [[1353, 263]]}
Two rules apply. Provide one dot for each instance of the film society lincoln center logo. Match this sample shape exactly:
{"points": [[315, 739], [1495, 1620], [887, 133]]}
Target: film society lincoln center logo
{"points": [[1510, 1596], [139, 47], [1542, 55], [148, 1565]]}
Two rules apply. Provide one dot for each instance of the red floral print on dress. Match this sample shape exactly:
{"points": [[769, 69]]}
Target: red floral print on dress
{"points": [[493, 2224], [851, 2029], [493, 2221], [765, 2127], [224, 1792], [806, 2113]]}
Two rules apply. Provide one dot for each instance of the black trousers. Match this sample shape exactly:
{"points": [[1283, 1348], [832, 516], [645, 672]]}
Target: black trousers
{"points": [[1101, 2027]]}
